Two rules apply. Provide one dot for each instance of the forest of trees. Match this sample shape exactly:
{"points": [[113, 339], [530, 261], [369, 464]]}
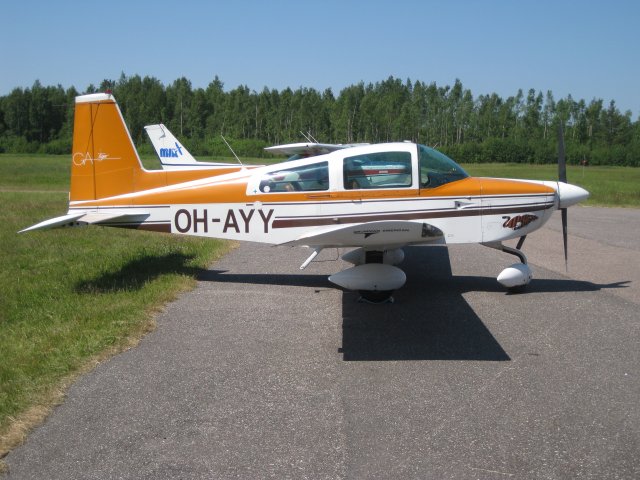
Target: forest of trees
{"points": [[486, 128]]}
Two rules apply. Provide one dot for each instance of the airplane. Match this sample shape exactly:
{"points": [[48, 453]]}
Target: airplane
{"points": [[377, 198], [311, 148], [173, 155]]}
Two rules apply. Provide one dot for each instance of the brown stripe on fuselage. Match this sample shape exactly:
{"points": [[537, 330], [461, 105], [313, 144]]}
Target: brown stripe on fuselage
{"points": [[157, 227], [149, 227], [337, 220]]}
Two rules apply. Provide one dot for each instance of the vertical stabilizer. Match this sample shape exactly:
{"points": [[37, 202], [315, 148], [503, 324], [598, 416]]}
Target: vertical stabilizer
{"points": [[174, 156], [169, 150], [104, 160]]}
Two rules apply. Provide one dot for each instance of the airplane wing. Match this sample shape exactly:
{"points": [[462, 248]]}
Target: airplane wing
{"points": [[90, 218], [385, 233], [309, 149]]}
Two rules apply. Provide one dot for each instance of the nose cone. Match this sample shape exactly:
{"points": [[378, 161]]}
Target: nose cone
{"points": [[570, 194]]}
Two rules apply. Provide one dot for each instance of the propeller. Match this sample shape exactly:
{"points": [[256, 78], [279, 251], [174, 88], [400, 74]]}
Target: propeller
{"points": [[562, 177]]}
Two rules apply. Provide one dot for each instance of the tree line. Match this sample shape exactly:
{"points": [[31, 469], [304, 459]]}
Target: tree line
{"points": [[487, 128]]}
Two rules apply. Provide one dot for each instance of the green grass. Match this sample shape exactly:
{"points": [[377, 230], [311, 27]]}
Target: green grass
{"points": [[34, 172], [69, 295]]}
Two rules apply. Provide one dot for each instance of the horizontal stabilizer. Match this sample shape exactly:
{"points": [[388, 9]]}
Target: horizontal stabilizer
{"points": [[57, 222], [89, 218]]}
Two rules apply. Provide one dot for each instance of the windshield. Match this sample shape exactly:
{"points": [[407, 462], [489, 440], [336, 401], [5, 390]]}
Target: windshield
{"points": [[437, 169]]}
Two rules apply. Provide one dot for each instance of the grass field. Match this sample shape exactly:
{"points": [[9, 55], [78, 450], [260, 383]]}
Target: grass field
{"points": [[71, 297]]}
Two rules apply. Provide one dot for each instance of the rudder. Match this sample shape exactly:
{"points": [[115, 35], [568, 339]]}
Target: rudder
{"points": [[105, 162]]}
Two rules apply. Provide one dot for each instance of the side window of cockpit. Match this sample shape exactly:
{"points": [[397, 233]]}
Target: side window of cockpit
{"points": [[377, 170], [308, 178]]}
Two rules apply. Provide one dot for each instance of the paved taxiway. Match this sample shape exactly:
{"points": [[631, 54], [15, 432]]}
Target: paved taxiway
{"points": [[266, 372]]}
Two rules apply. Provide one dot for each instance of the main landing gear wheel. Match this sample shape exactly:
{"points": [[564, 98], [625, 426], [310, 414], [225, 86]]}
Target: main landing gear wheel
{"points": [[373, 279], [516, 290], [376, 297]]}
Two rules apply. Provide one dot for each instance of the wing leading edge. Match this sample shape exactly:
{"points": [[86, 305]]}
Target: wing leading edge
{"points": [[384, 233]]}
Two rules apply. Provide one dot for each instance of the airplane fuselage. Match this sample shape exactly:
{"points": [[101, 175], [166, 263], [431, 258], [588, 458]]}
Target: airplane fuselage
{"points": [[234, 206]]}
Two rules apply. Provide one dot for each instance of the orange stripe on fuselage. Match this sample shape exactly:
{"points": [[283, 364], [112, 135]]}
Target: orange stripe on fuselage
{"points": [[147, 180], [234, 191]]}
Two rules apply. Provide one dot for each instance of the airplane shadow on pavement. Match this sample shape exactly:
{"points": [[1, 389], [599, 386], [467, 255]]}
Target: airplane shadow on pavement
{"points": [[430, 319]]}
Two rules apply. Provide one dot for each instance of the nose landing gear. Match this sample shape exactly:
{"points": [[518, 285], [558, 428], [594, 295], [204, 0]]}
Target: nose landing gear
{"points": [[517, 276]]}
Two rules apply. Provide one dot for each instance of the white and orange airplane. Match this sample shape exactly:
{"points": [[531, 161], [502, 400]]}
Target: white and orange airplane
{"points": [[377, 198]]}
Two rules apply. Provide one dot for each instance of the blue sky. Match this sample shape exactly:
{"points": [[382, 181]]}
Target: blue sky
{"points": [[589, 49]]}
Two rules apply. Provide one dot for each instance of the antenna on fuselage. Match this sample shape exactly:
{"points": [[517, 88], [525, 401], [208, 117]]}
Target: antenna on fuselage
{"points": [[234, 153], [308, 137]]}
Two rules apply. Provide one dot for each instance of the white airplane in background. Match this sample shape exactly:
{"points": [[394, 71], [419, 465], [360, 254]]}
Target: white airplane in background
{"points": [[377, 198], [173, 155], [311, 148]]}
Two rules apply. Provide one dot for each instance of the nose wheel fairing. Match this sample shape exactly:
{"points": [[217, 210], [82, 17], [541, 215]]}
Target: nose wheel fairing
{"points": [[517, 276]]}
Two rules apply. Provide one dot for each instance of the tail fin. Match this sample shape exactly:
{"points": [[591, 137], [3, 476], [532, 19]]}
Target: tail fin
{"points": [[167, 147], [174, 156], [104, 160], [105, 163]]}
